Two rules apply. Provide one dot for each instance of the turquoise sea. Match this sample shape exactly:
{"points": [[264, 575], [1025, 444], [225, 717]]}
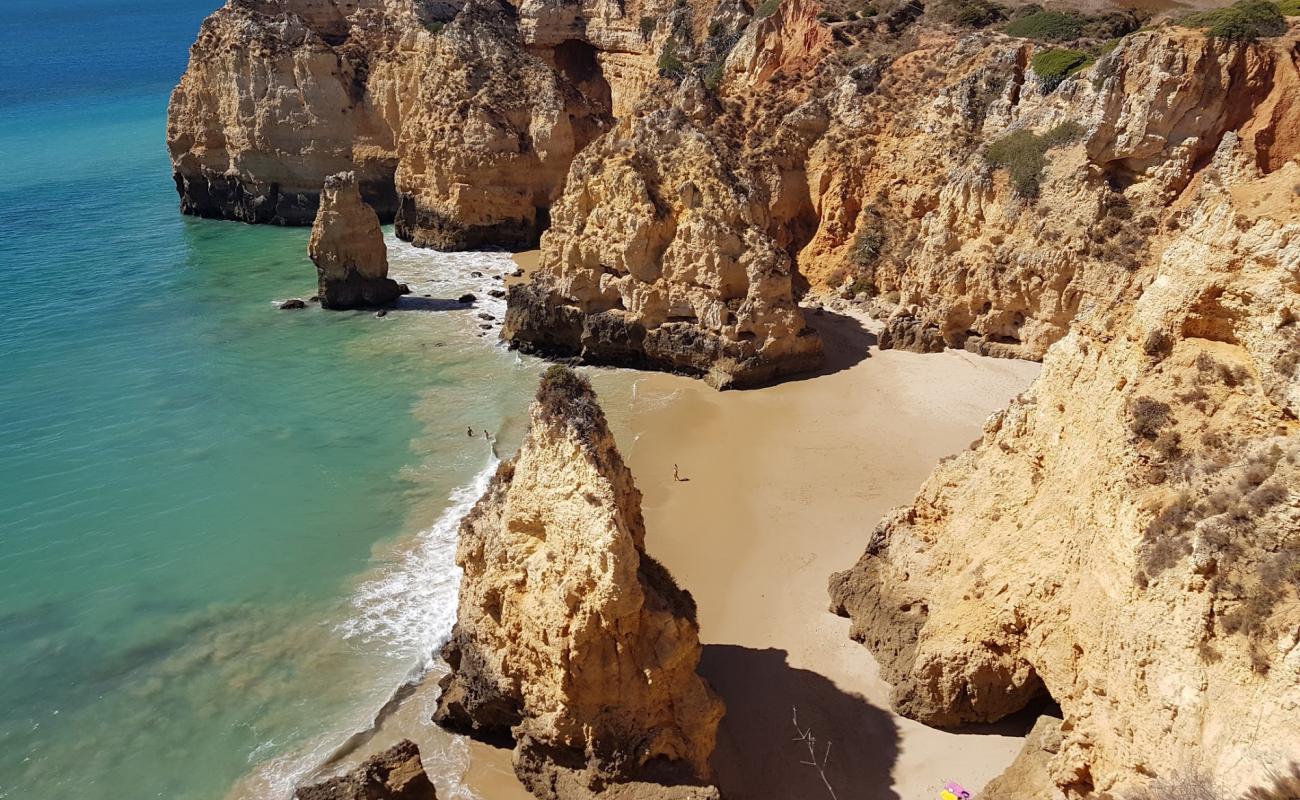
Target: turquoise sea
{"points": [[226, 531]]}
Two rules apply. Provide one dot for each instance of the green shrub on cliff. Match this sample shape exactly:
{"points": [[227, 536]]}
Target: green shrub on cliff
{"points": [[648, 25], [1052, 26], [1289, 8], [1023, 154], [766, 9], [669, 62], [1055, 65], [970, 13], [1245, 20]]}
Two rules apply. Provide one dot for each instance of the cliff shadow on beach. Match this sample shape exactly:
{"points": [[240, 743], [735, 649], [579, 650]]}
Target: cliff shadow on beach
{"points": [[846, 342], [760, 754]]}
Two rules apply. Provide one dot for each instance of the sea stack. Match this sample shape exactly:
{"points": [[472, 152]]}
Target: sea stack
{"points": [[348, 248], [395, 774], [569, 638]]}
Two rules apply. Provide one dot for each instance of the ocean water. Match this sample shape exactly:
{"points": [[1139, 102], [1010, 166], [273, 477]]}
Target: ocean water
{"points": [[226, 531]]}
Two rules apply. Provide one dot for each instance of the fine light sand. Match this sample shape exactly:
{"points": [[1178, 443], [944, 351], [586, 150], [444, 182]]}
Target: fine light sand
{"points": [[782, 487]]}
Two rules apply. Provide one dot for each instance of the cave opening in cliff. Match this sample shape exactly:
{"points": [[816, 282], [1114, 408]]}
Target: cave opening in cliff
{"points": [[578, 62]]}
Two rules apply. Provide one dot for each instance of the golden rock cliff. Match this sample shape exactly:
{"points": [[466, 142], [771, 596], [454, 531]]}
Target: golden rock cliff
{"points": [[569, 637], [1125, 538], [452, 127], [274, 101]]}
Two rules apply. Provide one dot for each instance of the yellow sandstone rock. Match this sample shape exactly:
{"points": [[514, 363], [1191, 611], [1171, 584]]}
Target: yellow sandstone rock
{"points": [[569, 637]]}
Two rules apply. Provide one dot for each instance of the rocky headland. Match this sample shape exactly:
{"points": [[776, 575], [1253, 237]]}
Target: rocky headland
{"points": [[570, 640], [1114, 195]]}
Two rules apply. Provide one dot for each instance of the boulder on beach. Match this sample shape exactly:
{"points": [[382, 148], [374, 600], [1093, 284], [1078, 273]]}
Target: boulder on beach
{"points": [[395, 774]]}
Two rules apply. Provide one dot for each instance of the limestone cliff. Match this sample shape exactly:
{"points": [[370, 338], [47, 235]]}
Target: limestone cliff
{"points": [[569, 638], [271, 104], [348, 249], [661, 260], [452, 126], [1050, 191], [489, 132], [1125, 538], [395, 774]]}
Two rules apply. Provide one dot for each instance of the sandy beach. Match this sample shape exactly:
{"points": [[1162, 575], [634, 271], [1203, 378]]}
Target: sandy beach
{"points": [[781, 487]]}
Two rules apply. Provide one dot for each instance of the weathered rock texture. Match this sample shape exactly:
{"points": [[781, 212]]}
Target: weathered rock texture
{"points": [[395, 774], [662, 261], [452, 126], [1123, 537], [1126, 536], [569, 638], [272, 103], [348, 248]]}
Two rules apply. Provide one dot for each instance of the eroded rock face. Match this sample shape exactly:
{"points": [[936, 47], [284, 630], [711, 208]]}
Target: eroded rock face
{"points": [[347, 246], [490, 132], [913, 207], [270, 105], [569, 638], [395, 774], [1125, 537], [451, 125], [660, 259]]}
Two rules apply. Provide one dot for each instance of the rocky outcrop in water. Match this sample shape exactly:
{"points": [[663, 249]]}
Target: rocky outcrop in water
{"points": [[347, 246], [1124, 538], [395, 774], [569, 638]]}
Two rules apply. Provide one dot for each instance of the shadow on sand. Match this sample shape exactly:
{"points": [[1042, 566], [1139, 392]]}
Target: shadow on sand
{"points": [[845, 341], [758, 756]]}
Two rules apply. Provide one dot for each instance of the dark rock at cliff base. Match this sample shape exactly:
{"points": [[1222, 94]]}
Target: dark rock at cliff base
{"points": [[395, 774], [906, 332], [540, 321], [497, 293], [348, 249], [222, 197], [466, 298], [292, 304]]}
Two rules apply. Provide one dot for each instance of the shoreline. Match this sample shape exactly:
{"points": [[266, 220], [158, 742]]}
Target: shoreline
{"points": [[765, 515]]}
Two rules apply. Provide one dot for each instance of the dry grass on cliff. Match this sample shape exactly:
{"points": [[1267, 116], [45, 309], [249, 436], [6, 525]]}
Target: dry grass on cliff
{"points": [[1228, 501], [566, 396], [1196, 785]]}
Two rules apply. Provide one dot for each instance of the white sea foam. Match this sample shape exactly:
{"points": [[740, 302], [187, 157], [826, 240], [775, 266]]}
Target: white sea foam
{"points": [[406, 609], [447, 276], [409, 607]]}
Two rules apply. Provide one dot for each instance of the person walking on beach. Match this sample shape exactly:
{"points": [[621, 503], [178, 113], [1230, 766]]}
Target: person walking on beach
{"points": [[676, 477]]}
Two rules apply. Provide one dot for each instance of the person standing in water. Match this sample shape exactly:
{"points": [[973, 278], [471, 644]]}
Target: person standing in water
{"points": [[469, 431]]}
